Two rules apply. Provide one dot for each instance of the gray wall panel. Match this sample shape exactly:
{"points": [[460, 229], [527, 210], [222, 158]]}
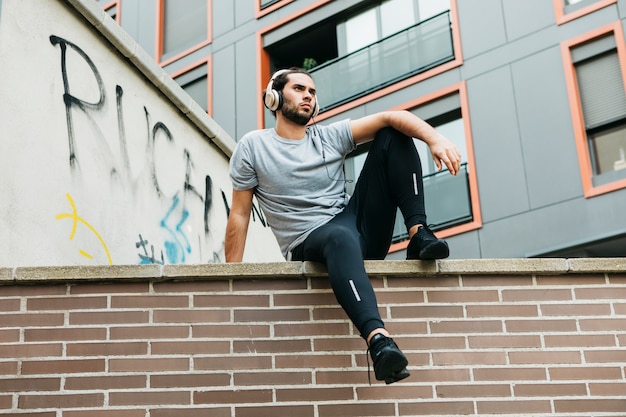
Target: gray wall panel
{"points": [[499, 164], [547, 137], [525, 17], [482, 26], [224, 89], [248, 93], [223, 17]]}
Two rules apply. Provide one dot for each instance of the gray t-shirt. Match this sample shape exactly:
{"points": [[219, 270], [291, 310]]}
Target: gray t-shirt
{"points": [[298, 183]]}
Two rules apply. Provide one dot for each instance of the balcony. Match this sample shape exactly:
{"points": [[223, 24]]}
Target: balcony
{"points": [[448, 202], [396, 57]]}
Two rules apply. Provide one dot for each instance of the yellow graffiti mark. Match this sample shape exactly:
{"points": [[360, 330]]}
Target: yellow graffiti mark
{"points": [[76, 218], [85, 254]]}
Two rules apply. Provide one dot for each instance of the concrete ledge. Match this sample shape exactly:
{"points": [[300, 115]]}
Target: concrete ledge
{"points": [[299, 270]]}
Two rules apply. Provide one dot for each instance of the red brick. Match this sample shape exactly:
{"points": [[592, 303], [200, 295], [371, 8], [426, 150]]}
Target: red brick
{"points": [[33, 401], [329, 313], [587, 373], [427, 311], [192, 347], [149, 398], [400, 391], [541, 294], [105, 413], [510, 373], [109, 288], [431, 343], [357, 410], [315, 361], [407, 296], [545, 357], [271, 346], [149, 332], [188, 380], [550, 390], [27, 350], [462, 296], [30, 384], [579, 340], [469, 358], [274, 378], [605, 356], [59, 366], [230, 396], [231, 300], [497, 280], [514, 406], [571, 279], [230, 331], [340, 344], [105, 382], [269, 285], [107, 349], [424, 282], [407, 327], [514, 341], [342, 377], [6, 402], [109, 317], [304, 299], [473, 390], [148, 364], [190, 287], [576, 310], [64, 334], [440, 375], [609, 389], [275, 411], [31, 320], [66, 303], [272, 315], [467, 326], [500, 310], [149, 301], [428, 408], [8, 336], [603, 293], [541, 325], [10, 304], [604, 405], [310, 394], [191, 316], [8, 368], [188, 412], [226, 363], [311, 329], [606, 324], [31, 290]]}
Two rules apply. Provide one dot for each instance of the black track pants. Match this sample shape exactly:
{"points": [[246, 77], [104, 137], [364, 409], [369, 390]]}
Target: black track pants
{"points": [[391, 178]]}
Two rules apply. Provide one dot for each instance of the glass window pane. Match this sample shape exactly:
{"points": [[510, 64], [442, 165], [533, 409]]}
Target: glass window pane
{"points": [[609, 150], [185, 24], [396, 15], [430, 8], [361, 30], [198, 90]]}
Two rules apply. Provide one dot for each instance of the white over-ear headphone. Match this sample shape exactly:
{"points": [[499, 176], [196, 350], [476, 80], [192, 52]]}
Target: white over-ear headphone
{"points": [[273, 100]]}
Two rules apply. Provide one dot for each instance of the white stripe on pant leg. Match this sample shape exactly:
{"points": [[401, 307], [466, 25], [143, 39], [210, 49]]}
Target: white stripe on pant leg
{"points": [[415, 183], [356, 293]]}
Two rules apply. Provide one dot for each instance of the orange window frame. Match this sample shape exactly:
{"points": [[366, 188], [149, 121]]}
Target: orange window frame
{"points": [[117, 4], [260, 12], [160, 16], [562, 17], [580, 131]]}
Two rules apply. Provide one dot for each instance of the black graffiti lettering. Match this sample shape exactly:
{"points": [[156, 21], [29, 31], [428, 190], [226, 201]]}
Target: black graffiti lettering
{"points": [[145, 258], [70, 100], [208, 201]]}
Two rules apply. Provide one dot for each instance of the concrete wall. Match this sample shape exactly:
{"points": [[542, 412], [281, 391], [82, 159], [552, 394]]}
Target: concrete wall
{"points": [[530, 338], [104, 159]]}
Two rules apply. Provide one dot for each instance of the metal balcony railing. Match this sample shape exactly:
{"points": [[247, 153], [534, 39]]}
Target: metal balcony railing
{"points": [[447, 200], [398, 56]]}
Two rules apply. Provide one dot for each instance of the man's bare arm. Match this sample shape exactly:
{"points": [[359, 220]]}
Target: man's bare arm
{"points": [[237, 226]]}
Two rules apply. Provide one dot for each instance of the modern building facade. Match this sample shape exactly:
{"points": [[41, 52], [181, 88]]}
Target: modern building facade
{"points": [[532, 92]]}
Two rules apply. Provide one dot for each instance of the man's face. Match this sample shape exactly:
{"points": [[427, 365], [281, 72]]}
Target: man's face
{"points": [[298, 98]]}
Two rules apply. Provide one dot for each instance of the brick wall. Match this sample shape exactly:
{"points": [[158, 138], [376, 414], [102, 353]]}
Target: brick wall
{"points": [[484, 337]]}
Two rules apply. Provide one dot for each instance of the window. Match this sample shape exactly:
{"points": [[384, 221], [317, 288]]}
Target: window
{"points": [[184, 24], [595, 78], [112, 8], [195, 82], [566, 10], [448, 198]]}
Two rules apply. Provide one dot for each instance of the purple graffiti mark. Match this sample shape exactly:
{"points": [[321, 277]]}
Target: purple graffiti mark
{"points": [[146, 259], [71, 100]]}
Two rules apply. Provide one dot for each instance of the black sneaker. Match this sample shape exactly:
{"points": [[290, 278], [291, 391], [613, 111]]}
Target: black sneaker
{"points": [[425, 245], [389, 361]]}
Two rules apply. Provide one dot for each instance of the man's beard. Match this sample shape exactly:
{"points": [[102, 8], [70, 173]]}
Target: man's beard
{"points": [[293, 113]]}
